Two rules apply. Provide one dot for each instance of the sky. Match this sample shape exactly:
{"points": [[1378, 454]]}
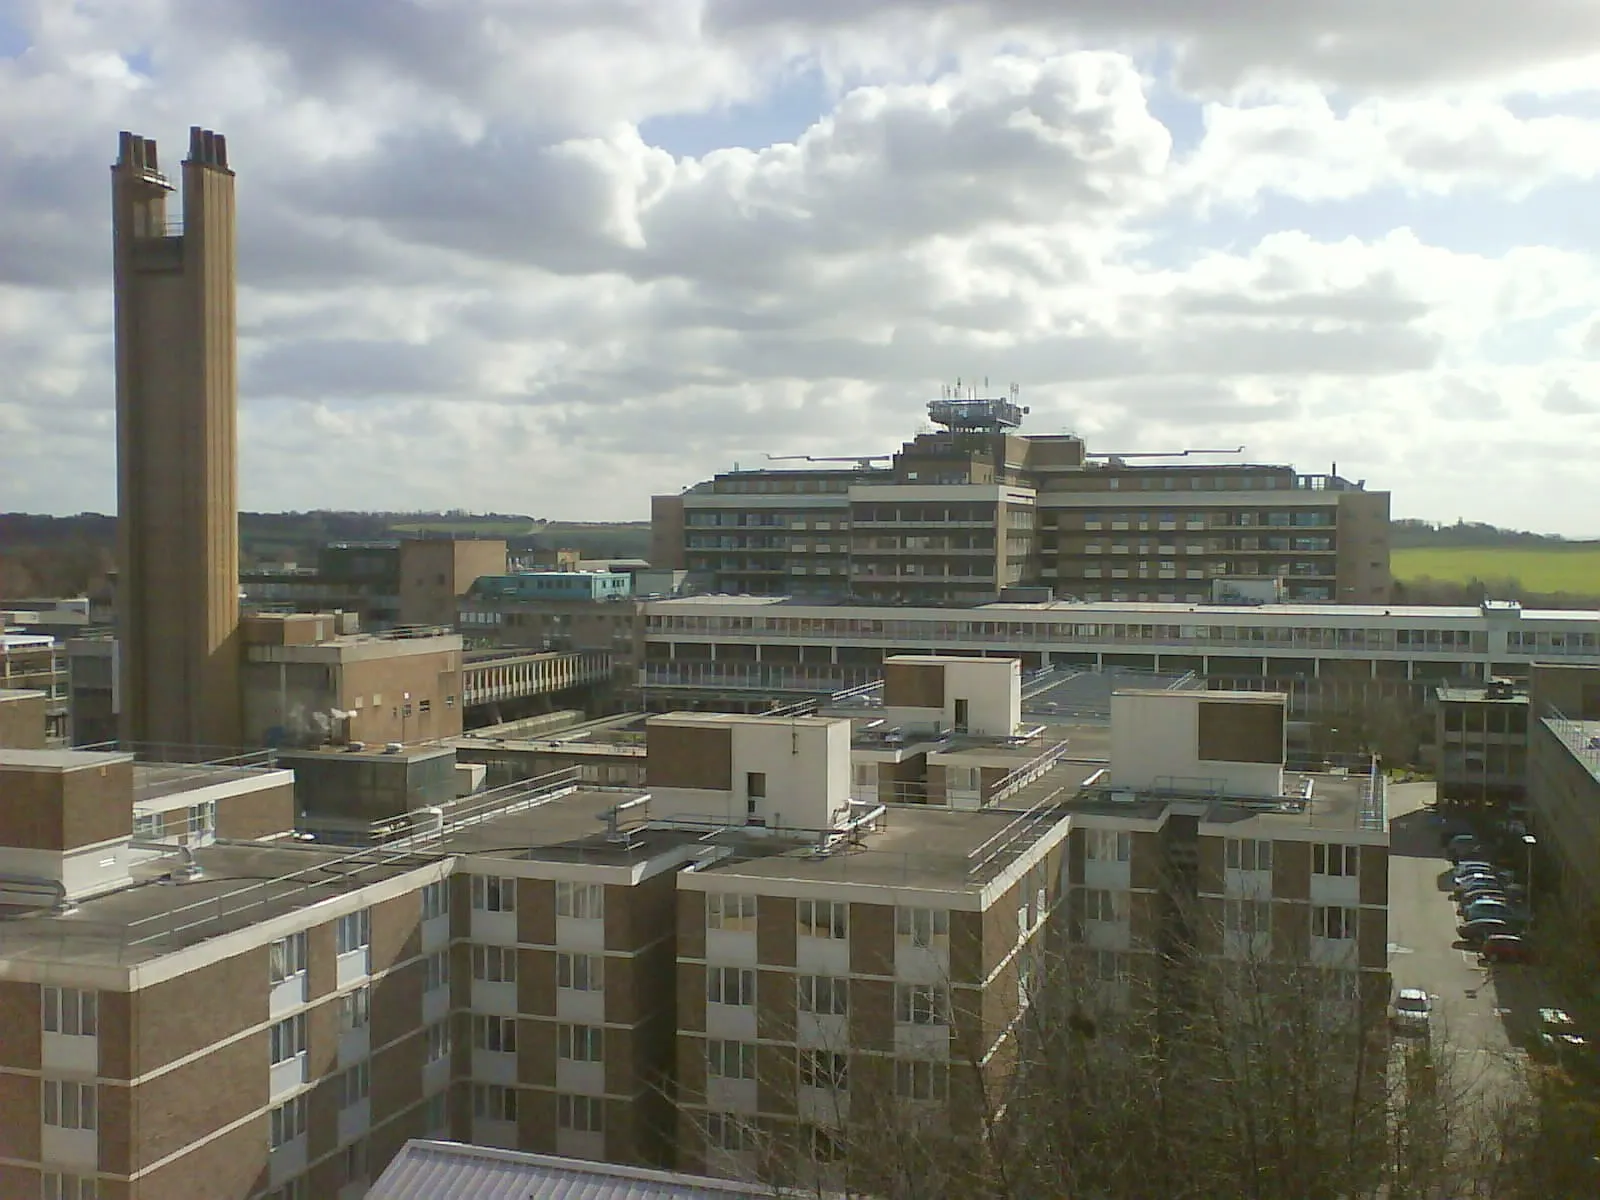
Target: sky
{"points": [[552, 256]]}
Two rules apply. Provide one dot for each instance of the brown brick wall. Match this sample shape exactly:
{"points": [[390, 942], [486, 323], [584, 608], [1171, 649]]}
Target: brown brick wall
{"points": [[692, 997], [536, 982], [397, 1077], [871, 939], [1374, 875], [19, 1117], [871, 1014], [180, 1016], [257, 814], [536, 911], [682, 756], [776, 932], [692, 924], [183, 1104], [20, 1016], [536, 1052], [1291, 870], [397, 1001], [233, 1165]]}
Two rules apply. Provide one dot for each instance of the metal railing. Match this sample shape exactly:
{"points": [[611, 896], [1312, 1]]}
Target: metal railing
{"points": [[346, 872]]}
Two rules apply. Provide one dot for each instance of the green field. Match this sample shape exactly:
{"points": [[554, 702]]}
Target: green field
{"points": [[1574, 568]]}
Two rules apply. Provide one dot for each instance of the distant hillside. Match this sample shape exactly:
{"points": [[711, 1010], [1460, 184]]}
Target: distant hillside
{"points": [[1408, 532], [60, 556]]}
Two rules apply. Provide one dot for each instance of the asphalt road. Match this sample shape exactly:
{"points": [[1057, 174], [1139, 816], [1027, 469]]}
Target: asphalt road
{"points": [[1469, 1014]]}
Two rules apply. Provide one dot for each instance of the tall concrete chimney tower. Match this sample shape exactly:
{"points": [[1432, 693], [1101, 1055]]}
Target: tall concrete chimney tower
{"points": [[177, 448]]}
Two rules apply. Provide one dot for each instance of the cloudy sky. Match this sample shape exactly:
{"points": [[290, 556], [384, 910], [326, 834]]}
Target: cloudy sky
{"points": [[549, 256]]}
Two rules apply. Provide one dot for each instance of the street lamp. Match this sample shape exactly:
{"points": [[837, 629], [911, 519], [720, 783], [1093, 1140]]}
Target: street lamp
{"points": [[1529, 841]]}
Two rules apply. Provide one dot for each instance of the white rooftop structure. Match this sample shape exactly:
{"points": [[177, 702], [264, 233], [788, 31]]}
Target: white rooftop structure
{"points": [[426, 1170]]}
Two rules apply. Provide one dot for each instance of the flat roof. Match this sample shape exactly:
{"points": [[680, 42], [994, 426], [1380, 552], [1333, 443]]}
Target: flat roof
{"points": [[1129, 608], [58, 760]]}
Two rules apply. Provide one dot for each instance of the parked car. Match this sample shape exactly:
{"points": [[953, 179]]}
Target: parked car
{"points": [[1506, 948], [1411, 1012], [1474, 932]]}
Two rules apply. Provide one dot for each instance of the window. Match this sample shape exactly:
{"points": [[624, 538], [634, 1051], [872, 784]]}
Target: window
{"points": [[355, 1009], [1334, 859], [1333, 922], [824, 1069], [494, 964], [287, 1122], [287, 957], [436, 900], [728, 1132], [436, 969], [1248, 916], [70, 1011], [56, 1186], [730, 912], [824, 994], [493, 893], [286, 1039], [438, 1041], [580, 972], [824, 918], [70, 1105], [1100, 905], [730, 985], [498, 1034], [353, 931], [919, 1004], [354, 1085], [1247, 854], [580, 1043], [916, 1080], [582, 1114], [583, 901], [1108, 845], [730, 1060], [494, 1102], [921, 926]]}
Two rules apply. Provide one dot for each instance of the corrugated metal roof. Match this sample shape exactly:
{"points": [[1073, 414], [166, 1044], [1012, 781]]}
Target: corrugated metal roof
{"points": [[427, 1170]]}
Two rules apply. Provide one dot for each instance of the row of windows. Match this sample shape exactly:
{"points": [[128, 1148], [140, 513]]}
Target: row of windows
{"points": [[829, 995]]}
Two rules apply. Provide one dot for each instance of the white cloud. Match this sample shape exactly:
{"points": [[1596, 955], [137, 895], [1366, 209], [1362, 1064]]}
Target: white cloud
{"points": [[468, 280]]}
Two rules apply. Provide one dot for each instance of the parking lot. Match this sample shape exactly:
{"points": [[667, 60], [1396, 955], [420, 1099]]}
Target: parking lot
{"points": [[1476, 1011]]}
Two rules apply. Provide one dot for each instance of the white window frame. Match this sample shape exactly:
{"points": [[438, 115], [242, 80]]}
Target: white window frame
{"points": [[69, 1104], [286, 957], [922, 926], [286, 1039], [921, 1004], [730, 1060], [580, 972], [70, 1012], [580, 901], [739, 983], [494, 964], [353, 931], [494, 893], [498, 1035], [826, 995], [731, 912], [829, 919], [581, 1043]]}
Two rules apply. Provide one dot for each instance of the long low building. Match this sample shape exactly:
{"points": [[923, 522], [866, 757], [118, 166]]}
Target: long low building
{"points": [[725, 648]]}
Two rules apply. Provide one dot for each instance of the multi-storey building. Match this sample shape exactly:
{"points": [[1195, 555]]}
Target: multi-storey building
{"points": [[1195, 838], [37, 663], [962, 514], [736, 650]]}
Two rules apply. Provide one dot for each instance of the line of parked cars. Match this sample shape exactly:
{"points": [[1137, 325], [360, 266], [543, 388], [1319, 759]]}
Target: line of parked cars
{"points": [[1493, 907]]}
